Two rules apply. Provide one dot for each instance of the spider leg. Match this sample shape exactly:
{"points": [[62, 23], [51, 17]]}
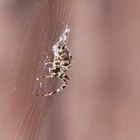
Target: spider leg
{"points": [[48, 63], [43, 77], [64, 78]]}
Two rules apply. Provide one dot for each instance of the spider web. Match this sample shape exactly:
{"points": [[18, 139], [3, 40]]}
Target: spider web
{"points": [[30, 110]]}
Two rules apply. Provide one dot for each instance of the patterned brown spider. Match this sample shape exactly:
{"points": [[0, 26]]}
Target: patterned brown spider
{"points": [[61, 63]]}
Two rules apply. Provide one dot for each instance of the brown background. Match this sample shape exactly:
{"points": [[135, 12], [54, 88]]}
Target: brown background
{"points": [[103, 97]]}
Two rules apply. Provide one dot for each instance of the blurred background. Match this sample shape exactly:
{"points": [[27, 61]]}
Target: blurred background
{"points": [[103, 97]]}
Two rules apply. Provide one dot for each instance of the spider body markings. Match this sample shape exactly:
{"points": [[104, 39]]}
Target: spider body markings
{"points": [[61, 63]]}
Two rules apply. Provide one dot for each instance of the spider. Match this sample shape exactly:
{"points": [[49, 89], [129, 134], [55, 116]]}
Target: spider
{"points": [[62, 60]]}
